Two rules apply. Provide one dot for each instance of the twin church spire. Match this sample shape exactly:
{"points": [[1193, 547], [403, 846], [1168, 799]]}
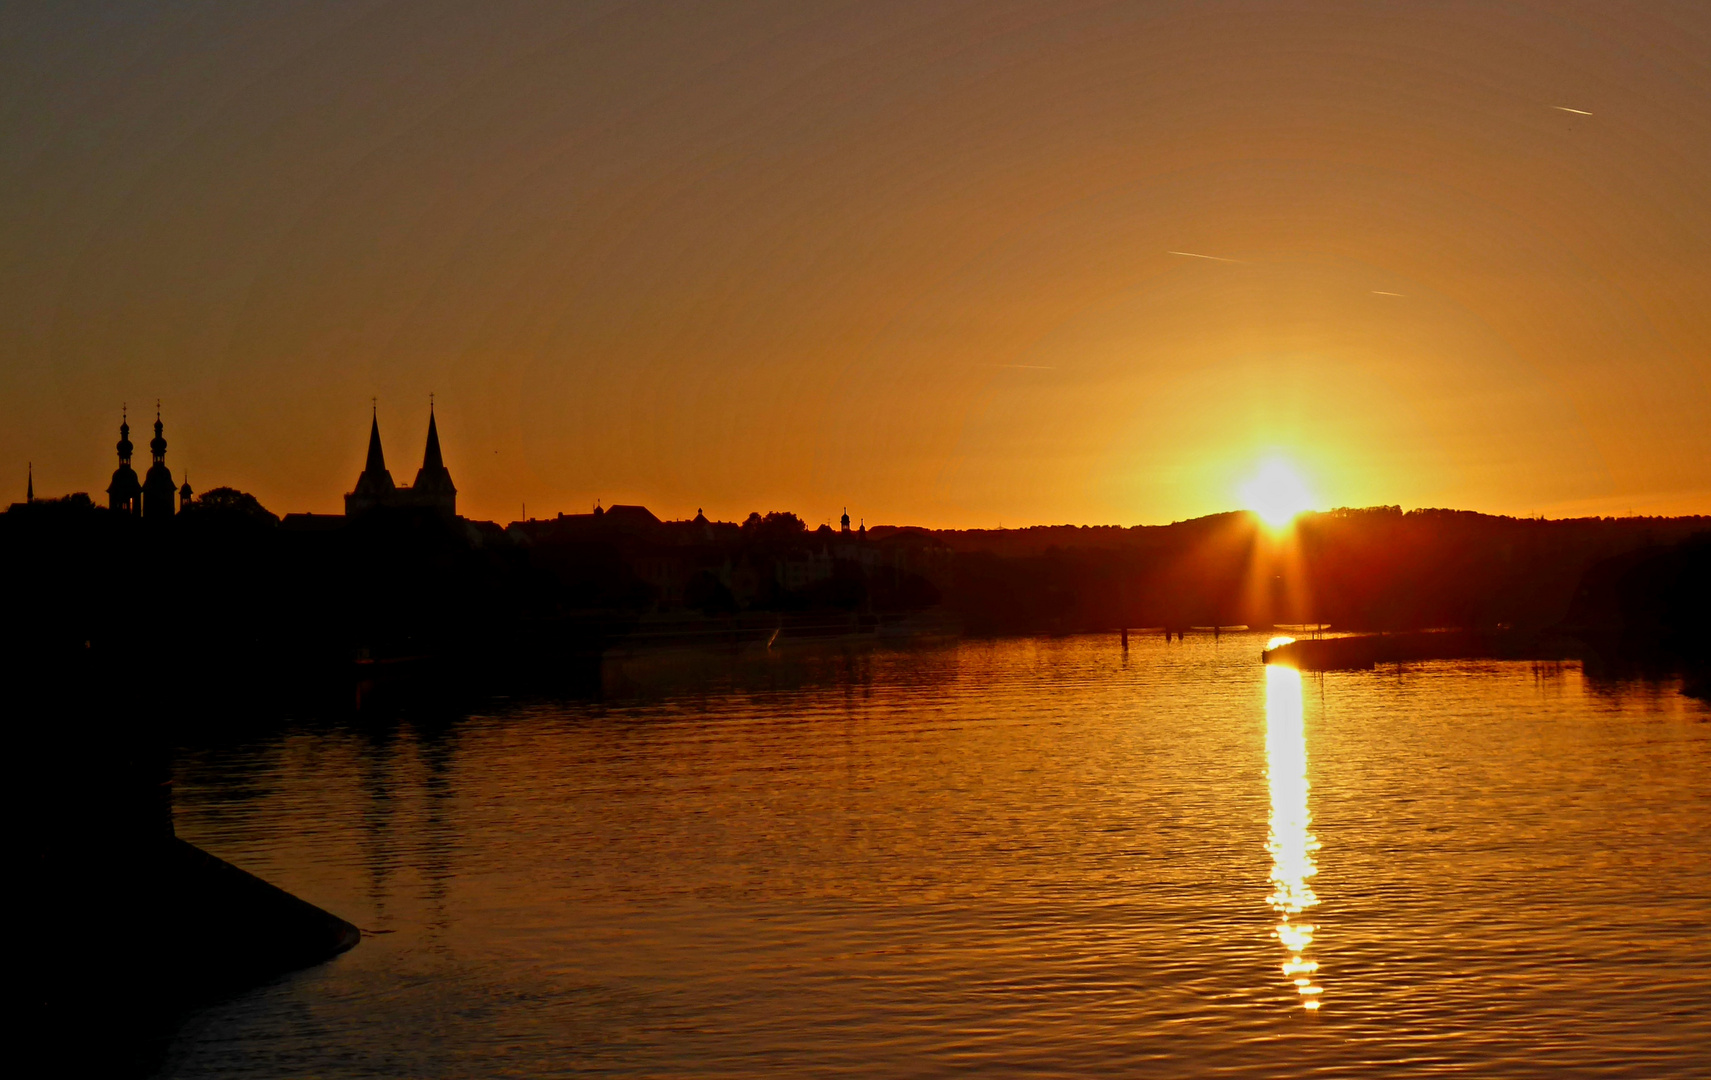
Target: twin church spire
{"points": [[154, 496], [433, 488]]}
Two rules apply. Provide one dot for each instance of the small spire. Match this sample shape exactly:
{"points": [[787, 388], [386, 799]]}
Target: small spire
{"points": [[30, 484], [124, 446], [431, 455], [157, 445], [376, 457]]}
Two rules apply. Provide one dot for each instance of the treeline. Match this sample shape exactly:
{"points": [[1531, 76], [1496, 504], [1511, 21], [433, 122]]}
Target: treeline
{"points": [[1370, 569], [227, 590], [229, 587]]}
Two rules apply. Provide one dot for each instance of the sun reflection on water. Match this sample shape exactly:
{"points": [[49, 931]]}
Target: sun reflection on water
{"points": [[1292, 845]]}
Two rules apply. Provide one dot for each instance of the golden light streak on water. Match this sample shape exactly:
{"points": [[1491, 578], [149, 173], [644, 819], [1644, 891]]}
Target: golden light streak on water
{"points": [[996, 857], [1291, 843]]}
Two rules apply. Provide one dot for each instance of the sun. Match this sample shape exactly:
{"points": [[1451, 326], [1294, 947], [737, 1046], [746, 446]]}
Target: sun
{"points": [[1276, 493]]}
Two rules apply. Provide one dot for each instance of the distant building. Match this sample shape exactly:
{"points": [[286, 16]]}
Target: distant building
{"points": [[433, 488], [630, 520], [159, 492], [125, 493], [798, 570], [154, 496]]}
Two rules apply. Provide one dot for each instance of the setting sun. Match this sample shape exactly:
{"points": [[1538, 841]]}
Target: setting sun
{"points": [[965, 535], [1276, 493]]}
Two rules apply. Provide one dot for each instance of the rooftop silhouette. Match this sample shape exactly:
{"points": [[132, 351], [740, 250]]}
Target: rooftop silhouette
{"points": [[433, 489]]}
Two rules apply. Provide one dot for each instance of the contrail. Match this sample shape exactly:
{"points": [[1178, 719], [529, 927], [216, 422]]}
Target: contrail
{"points": [[1381, 292], [1197, 255], [1577, 112], [1027, 367]]}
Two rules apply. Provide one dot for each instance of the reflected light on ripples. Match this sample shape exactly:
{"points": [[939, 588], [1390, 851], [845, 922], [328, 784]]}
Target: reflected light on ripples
{"points": [[1291, 843]]}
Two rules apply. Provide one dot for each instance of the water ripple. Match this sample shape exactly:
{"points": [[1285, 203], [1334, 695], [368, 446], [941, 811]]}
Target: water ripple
{"points": [[1031, 858]]}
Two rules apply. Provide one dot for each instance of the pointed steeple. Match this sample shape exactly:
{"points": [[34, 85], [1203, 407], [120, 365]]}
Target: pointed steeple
{"points": [[376, 457], [433, 486], [374, 487], [431, 456], [30, 484]]}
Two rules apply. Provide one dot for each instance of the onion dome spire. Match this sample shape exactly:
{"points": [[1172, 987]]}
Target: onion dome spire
{"points": [[157, 445], [125, 493], [158, 489], [124, 446]]}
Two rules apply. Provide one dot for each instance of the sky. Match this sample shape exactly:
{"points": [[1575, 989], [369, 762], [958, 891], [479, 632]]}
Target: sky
{"points": [[950, 264]]}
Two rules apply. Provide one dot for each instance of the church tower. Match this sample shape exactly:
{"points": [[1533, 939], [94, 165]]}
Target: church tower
{"points": [[374, 487], [433, 487], [159, 492], [125, 493]]}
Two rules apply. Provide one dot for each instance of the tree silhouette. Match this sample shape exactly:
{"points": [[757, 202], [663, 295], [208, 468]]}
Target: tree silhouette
{"points": [[230, 502]]}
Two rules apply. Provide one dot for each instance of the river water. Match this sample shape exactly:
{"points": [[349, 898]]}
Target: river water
{"points": [[1020, 858]]}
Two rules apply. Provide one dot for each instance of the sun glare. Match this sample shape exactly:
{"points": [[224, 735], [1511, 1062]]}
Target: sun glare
{"points": [[1276, 493]]}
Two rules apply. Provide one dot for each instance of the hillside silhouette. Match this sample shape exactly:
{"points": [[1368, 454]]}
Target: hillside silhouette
{"points": [[228, 592]]}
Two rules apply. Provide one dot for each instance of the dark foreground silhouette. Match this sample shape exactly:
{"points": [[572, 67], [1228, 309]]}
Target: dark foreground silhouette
{"points": [[122, 632], [1644, 612], [124, 926], [226, 597]]}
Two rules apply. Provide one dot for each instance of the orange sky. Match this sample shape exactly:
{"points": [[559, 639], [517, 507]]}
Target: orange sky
{"points": [[910, 258]]}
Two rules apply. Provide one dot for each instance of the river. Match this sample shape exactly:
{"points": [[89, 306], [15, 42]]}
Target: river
{"points": [[1038, 857]]}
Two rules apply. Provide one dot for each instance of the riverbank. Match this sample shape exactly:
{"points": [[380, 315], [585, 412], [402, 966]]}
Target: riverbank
{"points": [[1357, 652], [1604, 655]]}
